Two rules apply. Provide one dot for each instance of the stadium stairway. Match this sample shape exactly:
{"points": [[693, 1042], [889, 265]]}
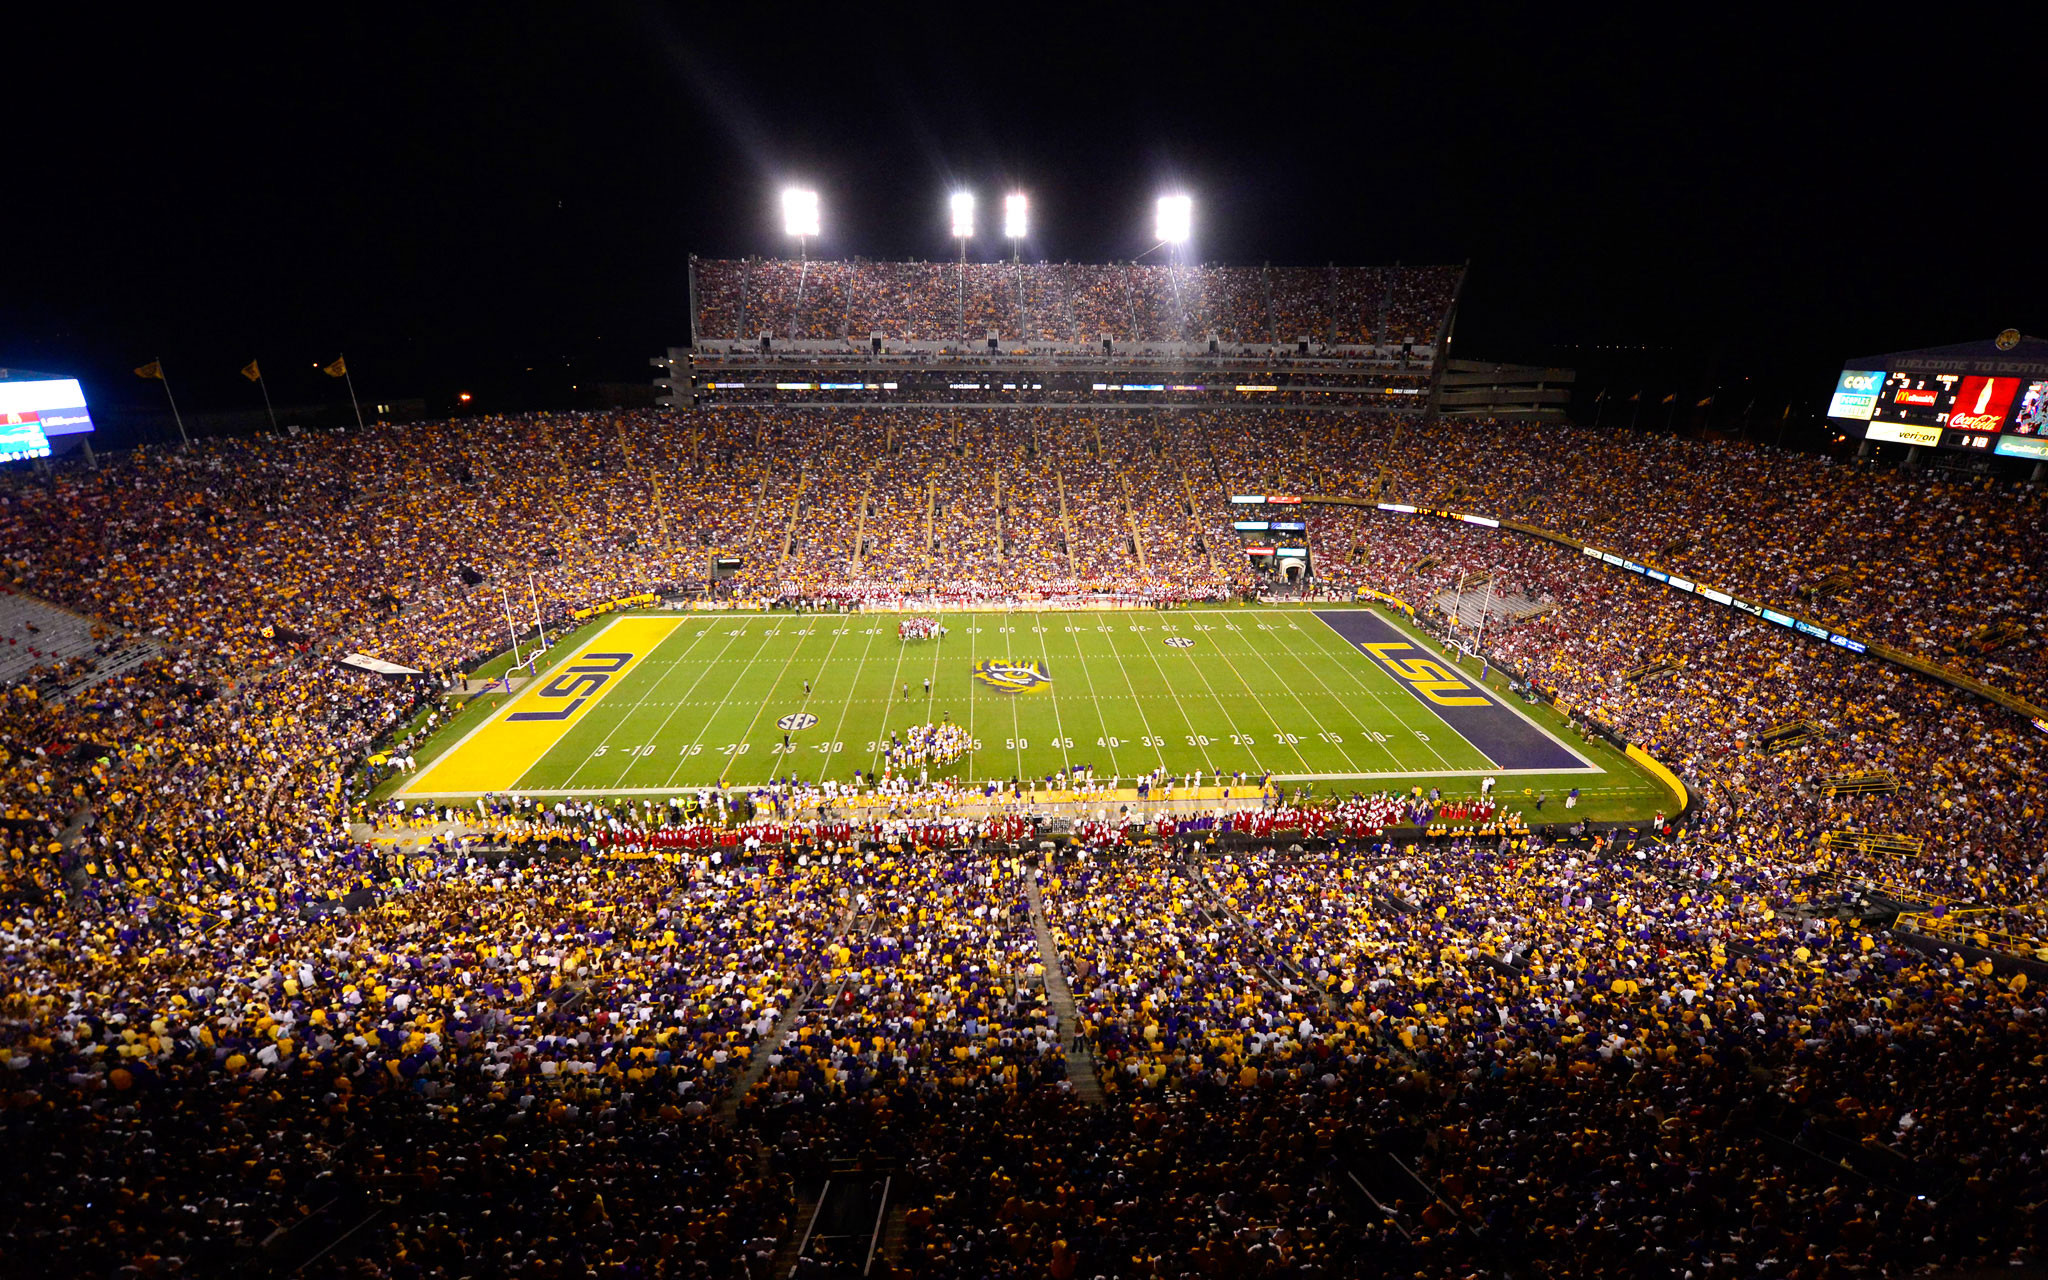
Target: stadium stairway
{"points": [[801, 1004], [1080, 1063]]}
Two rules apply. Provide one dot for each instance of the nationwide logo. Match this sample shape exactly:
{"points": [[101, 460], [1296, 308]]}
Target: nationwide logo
{"points": [[796, 720], [1981, 404], [1180, 642], [1011, 677]]}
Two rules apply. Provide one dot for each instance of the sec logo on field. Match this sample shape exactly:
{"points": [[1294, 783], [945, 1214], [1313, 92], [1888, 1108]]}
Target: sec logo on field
{"points": [[796, 720], [1180, 642]]}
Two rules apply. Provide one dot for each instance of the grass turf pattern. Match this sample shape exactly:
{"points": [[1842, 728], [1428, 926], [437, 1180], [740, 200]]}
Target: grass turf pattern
{"points": [[1224, 690]]}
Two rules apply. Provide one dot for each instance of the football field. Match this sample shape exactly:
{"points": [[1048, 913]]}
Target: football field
{"points": [[651, 704]]}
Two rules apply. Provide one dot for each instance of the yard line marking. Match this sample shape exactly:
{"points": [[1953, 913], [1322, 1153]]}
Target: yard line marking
{"points": [[1352, 670], [1208, 761], [694, 642], [1363, 728], [763, 704], [1082, 657], [1297, 700], [845, 707], [1258, 700], [882, 733], [1058, 725], [706, 724], [1144, 721]]}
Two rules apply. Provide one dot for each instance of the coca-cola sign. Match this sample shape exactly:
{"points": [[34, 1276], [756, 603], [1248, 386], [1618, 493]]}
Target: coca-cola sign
{"points": [[1981, 404]]}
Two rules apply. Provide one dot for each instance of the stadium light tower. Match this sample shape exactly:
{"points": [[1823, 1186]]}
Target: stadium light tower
{"points": [[1175, 219], [963, 220], [1015, 209], [800, 216]]}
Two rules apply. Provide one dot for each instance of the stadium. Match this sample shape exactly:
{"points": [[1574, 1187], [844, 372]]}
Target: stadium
{"points": [[1010, 768]]}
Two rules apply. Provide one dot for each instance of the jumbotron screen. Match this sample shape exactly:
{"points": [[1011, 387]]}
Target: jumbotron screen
{"points": [[33, 410], [1997, 405]]}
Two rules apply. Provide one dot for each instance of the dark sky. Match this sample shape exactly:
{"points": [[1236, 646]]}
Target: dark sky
{"points": [[456, 197]]}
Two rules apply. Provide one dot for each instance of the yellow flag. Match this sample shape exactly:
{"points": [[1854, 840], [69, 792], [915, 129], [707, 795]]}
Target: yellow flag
{"points": [[336, 370], [251, 372], [154, 369]]}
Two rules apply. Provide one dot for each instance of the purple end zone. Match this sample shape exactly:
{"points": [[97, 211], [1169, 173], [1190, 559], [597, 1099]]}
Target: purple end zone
{"points": [[1504, 737]]}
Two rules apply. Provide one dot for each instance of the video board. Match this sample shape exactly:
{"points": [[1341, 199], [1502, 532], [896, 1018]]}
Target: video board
{"points": [[33, 411], [1994, 400]]}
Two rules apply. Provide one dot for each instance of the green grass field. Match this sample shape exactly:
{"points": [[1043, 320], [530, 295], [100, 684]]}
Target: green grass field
{"points": [[1261, 690]]}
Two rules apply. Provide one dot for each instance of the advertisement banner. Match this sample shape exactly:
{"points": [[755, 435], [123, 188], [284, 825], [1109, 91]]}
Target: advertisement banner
{"points": [[1899, 434], [1981, 404], [1856, 394]]}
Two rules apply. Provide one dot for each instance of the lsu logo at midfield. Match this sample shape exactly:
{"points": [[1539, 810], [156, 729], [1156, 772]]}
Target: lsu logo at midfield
{"points": [[1011, 677], [1428, 677]]}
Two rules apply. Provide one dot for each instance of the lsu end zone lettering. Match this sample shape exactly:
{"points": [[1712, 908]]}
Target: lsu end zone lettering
{"points": [[1429, 678], [496, 754], [1509, 740]]}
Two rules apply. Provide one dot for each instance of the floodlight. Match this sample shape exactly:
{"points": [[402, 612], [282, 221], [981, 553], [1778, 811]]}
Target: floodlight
{"points": [[1014, 206], [799, 212], [963, 214], [1176, 218]]}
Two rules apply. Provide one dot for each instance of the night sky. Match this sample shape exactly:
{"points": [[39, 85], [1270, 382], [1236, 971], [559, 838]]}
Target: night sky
{"points": [[501, 200]]}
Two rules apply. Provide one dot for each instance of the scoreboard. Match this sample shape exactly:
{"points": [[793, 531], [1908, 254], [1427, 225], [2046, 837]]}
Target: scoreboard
{"points": [[1994, 400]]}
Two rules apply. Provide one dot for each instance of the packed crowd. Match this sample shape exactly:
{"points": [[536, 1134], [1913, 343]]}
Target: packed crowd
{"points": [[231, 1035], [738, 300]]}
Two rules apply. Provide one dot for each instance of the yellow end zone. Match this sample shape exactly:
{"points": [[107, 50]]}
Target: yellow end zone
{"points": [[496, 754]]}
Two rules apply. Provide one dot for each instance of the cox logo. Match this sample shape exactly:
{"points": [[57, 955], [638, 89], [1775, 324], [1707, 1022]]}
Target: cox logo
{"points": [[578, 682], [1861, 381]]}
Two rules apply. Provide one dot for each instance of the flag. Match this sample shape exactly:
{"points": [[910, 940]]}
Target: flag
{"points": [[1704, 403], [1637, 396], [154, 369], [251, 372], [339, 369], [1668, 399]]}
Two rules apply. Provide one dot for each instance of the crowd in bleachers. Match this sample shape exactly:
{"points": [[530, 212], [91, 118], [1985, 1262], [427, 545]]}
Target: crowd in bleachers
{"points": [[225, 1022], [738, 300]]}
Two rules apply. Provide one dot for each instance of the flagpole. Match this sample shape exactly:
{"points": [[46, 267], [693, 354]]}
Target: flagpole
{"points": [[265, 387], [349, 378], [175, 417], [538, 624]]}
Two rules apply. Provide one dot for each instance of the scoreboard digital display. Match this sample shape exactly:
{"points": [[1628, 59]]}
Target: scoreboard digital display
{"points": [[35, 410], [1978, 396]]}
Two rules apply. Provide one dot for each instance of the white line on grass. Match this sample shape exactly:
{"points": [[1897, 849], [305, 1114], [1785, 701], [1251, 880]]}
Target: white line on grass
{"points": [[1144, 721], [1326, 734], [686, 756], [782, 671], [1082, 657], [1058, 725], [882, 733], [1257, 698], [678, 706], [1208, 761], [1364, 729], [845, 707]]}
